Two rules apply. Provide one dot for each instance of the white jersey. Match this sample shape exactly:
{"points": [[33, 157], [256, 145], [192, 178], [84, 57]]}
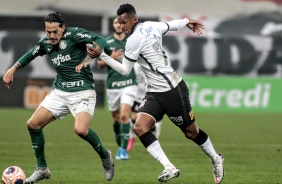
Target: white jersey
{"points": [[141, 83], [144, 46]]}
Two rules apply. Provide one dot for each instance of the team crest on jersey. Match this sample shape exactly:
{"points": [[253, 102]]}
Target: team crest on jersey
{"points": [[63, 45]]}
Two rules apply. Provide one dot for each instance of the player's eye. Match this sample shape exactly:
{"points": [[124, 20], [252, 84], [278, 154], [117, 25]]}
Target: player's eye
{"points": [[50, 32]]}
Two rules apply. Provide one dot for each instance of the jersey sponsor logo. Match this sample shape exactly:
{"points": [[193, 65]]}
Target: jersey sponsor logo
{"points": [[49, 49], [60, 59], [63, 45], [146, 31], [84, 35], [110, 41], [73, 84], [36, 50], [46, 41], [177, 120], [67, 34], [122, 83], [192, 115], [142, 103]]}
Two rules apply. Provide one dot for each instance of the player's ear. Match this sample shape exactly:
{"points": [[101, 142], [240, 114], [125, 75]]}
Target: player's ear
{"points": [[135, 19]]}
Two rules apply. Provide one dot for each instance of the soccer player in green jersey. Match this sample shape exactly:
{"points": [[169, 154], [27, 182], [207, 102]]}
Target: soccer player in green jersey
{"points": [[73, 92], [120, 90]]}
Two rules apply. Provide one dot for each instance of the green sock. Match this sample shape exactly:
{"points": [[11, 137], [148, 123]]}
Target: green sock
{"points": [[38, 142], [116, 127], [124, 134], [95, 142]]}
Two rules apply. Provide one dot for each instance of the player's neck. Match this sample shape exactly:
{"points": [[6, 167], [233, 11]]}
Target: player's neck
{"points": [[119, 36]]}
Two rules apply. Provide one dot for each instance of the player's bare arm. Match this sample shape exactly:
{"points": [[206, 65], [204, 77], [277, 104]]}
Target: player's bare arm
{"points": [[92, 53], [9, 76]]}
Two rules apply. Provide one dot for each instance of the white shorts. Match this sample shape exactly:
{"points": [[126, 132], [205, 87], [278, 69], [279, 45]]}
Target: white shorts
{"points": [[61, 103], [116, 97]]}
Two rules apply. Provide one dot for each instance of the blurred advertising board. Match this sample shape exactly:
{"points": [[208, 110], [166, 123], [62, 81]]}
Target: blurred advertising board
{"points": [[234, 94], [29, 92]]}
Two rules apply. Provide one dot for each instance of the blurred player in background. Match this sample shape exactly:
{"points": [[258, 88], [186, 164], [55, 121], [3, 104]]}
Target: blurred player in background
{"points": [[74, 92], [167, 93], [139, 96], [120, 90]]}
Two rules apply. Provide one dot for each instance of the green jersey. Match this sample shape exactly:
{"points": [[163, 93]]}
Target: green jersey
{"points": [[114, 79], [65, 56]]}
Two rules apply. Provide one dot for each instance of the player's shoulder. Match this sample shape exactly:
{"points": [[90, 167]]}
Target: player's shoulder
{"points": [[44, 41], [71, 31]]}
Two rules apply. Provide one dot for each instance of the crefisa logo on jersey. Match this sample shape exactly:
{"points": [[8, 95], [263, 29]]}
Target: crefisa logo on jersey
{"points": [[63, 45]]}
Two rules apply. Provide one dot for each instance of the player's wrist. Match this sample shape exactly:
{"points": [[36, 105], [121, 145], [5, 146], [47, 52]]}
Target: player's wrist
{"points": [[187, 21]]}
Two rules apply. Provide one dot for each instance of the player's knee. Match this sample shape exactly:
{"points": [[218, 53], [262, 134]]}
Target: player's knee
{"points": [[32, 124], [81, 132], [140, 130], [124, 118], [191, 134]]}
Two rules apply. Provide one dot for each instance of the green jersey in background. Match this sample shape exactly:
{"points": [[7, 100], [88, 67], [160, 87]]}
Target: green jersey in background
{"points": [[114, 79]]}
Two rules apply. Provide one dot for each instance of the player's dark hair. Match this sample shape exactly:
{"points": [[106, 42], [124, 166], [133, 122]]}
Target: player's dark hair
{"points": [[126, 8], [55, 17]]}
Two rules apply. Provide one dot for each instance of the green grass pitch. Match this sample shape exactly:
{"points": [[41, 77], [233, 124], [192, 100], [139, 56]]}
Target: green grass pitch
{"points": [[251, 144]]}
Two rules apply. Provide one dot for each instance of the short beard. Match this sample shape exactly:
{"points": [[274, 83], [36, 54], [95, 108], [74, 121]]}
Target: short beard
{"points": [[118, 33]]}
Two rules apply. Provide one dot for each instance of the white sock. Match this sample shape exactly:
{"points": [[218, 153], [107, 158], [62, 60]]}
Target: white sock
{"points": [[131, 133], [158, 129], [157, 152], [208, 149]]}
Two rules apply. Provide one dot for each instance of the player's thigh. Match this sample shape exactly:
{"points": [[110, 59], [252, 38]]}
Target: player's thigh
{"points": [[40, 118], [81, 101], [113, 98], [152, 106], [82, 122], [127, 96], [177, 106], [55, 103]]}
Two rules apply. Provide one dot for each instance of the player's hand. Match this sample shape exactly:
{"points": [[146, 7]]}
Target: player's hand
{"points": [[94, 52], [84, 64], [8, 78], [195, 26], [117, 55]]}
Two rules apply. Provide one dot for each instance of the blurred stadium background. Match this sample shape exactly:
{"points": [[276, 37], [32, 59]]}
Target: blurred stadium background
{"points": [[233, 71]]}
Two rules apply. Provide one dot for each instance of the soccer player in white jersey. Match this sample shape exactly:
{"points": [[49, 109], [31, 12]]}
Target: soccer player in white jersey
{"points": [[166, 93]]}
